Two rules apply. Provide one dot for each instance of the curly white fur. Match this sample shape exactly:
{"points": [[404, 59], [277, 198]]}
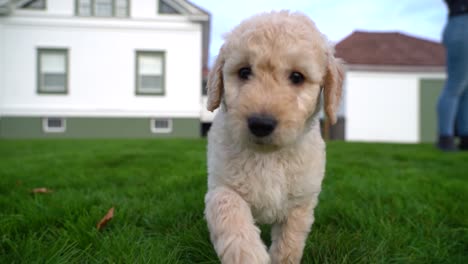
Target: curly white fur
{"points": [[277, 179]]}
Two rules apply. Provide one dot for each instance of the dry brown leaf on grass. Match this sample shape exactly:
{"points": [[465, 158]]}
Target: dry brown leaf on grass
{"points": [[105, 219], [41, 190]]}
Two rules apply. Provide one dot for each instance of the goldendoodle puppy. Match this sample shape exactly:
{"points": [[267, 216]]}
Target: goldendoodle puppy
{"points": [[266, 156]]}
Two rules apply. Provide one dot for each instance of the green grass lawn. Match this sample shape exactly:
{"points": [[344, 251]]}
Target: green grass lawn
{"points": [[381, 203]]}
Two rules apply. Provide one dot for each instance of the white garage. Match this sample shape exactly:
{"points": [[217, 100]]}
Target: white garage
{"points": [[391, 87]]}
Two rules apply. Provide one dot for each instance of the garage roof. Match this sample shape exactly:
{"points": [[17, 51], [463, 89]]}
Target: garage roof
{"points": [[389, 49]]}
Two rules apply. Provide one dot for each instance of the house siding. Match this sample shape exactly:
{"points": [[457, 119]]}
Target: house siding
{"points": [[144, 9], [429, 94], [386, 106], [381, 107], [102, 67], [97, 127]]}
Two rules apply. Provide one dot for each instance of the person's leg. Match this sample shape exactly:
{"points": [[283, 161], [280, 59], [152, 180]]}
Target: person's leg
{"points": [[462, 119], [455, 38]]}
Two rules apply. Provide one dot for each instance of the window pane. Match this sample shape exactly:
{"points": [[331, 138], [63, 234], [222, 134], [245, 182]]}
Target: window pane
{"points": [[121, 8], [84, 7], [103, 7], [54, 82], [150, 64], [151, 83], [53, 62]]}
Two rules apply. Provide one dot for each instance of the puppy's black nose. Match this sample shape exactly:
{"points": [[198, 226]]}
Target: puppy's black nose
{"points": [[261, 125]]}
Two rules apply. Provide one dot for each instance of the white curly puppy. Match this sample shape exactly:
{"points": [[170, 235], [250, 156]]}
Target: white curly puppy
{"points": [[266, 156]]}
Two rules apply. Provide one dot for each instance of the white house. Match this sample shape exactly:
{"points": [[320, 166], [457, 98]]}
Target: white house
{"points": [[391, 87], [101, 68]]}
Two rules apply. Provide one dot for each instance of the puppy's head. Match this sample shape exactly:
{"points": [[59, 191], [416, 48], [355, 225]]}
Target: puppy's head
{"points": [[269, 75]]}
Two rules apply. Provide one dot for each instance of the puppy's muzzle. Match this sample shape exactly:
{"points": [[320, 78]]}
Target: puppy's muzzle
{"points": [[261, 125]]}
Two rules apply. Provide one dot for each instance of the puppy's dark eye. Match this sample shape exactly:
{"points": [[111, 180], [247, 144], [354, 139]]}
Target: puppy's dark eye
{"points": [[296, 78], [245, 73]]}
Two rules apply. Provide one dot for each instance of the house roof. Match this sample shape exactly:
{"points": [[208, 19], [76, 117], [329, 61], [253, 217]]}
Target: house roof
{"points": [[188, 8], [389, 49]]}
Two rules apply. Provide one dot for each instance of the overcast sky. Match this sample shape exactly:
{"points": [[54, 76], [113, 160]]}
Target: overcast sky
{"points": [[335, 18]]}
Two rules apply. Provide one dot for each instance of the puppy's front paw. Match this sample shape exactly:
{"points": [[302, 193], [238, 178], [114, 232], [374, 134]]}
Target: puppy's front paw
{"points": [[242, 251], [285, 258]]}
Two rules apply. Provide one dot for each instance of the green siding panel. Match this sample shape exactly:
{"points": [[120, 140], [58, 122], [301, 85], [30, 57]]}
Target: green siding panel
{"points": [[429, 94], [20, 127], [85, 127]]}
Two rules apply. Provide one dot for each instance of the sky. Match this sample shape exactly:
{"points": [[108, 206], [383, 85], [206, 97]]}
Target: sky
{"points": [[335, 18]]}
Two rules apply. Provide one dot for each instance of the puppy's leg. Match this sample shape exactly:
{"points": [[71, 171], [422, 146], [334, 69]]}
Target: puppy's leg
{"points": [[235, 237], [288, 238]]}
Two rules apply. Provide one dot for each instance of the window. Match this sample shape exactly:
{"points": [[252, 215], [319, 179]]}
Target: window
{"points": [[34, 4], [161, 125], [102, 8], [84, 7], [149, 72], [52, 70], [121, 8], [54, 125]]}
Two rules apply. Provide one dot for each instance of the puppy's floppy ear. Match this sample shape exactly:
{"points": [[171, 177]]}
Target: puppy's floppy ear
{"points": [[333, 87], [215, 84]]}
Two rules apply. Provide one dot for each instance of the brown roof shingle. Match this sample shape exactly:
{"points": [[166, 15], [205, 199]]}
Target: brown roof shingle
{"points": [[389, 49]]}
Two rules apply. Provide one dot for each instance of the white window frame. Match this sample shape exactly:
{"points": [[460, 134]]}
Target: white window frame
{"points": [[167, 129], [47, 129]]}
